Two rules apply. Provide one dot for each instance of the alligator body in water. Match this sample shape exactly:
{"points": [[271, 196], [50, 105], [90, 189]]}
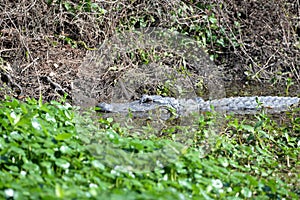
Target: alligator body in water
{"points": [[239, 105]]}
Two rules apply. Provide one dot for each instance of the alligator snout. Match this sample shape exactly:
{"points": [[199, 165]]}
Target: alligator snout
{"points": [[105, 107]]}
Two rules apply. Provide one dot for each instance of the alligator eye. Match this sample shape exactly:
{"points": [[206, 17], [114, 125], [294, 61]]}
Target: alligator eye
{"points": [[146, 98]]}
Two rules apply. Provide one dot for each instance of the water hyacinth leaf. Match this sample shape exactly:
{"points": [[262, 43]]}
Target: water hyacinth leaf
{"points": [[13, 168], [217, 183], [63, 136], [98, 164], [24, 108], [224, 162], [16, 136], [110, 120], [246, 192], [65, 149], [68, 123], [3, 144], [62, 163], [24, 122], [59, 192], [35, 124], [4, 123], [36, 147], [14, 103], [18, 150], [93, 191], [10, 116], [48, 167], [16, 118], [50, 118], [248, 128], [31, 167]]}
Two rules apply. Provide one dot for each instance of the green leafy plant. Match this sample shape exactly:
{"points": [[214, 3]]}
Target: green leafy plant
{"points": [[289, 83], [49, 151], [80, 6]]}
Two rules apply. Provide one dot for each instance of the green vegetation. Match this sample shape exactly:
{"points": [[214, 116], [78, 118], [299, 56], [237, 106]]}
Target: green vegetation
{"points": [[48, 152], [54, 151]]}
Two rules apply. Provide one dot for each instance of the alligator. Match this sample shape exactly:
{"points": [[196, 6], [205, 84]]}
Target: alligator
{"points": [[238, 105]]}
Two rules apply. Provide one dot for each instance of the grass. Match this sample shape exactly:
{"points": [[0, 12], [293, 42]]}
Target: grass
{"points": [[49, 151]]}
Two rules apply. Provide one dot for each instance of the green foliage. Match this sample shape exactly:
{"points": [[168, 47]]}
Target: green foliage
{"points": [[203, 27], [48, 151], [80, 6], [289, 83]]}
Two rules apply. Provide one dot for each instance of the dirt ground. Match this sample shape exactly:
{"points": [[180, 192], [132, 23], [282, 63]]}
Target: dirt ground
{"points": [[42, 46]]}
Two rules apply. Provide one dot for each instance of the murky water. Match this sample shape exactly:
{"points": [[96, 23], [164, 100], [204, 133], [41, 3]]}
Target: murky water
{"points": [[260, 89], [145, 123]]}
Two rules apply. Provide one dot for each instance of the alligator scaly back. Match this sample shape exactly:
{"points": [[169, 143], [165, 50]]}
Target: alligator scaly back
{"points": [[244, 105], [239, 105]]}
